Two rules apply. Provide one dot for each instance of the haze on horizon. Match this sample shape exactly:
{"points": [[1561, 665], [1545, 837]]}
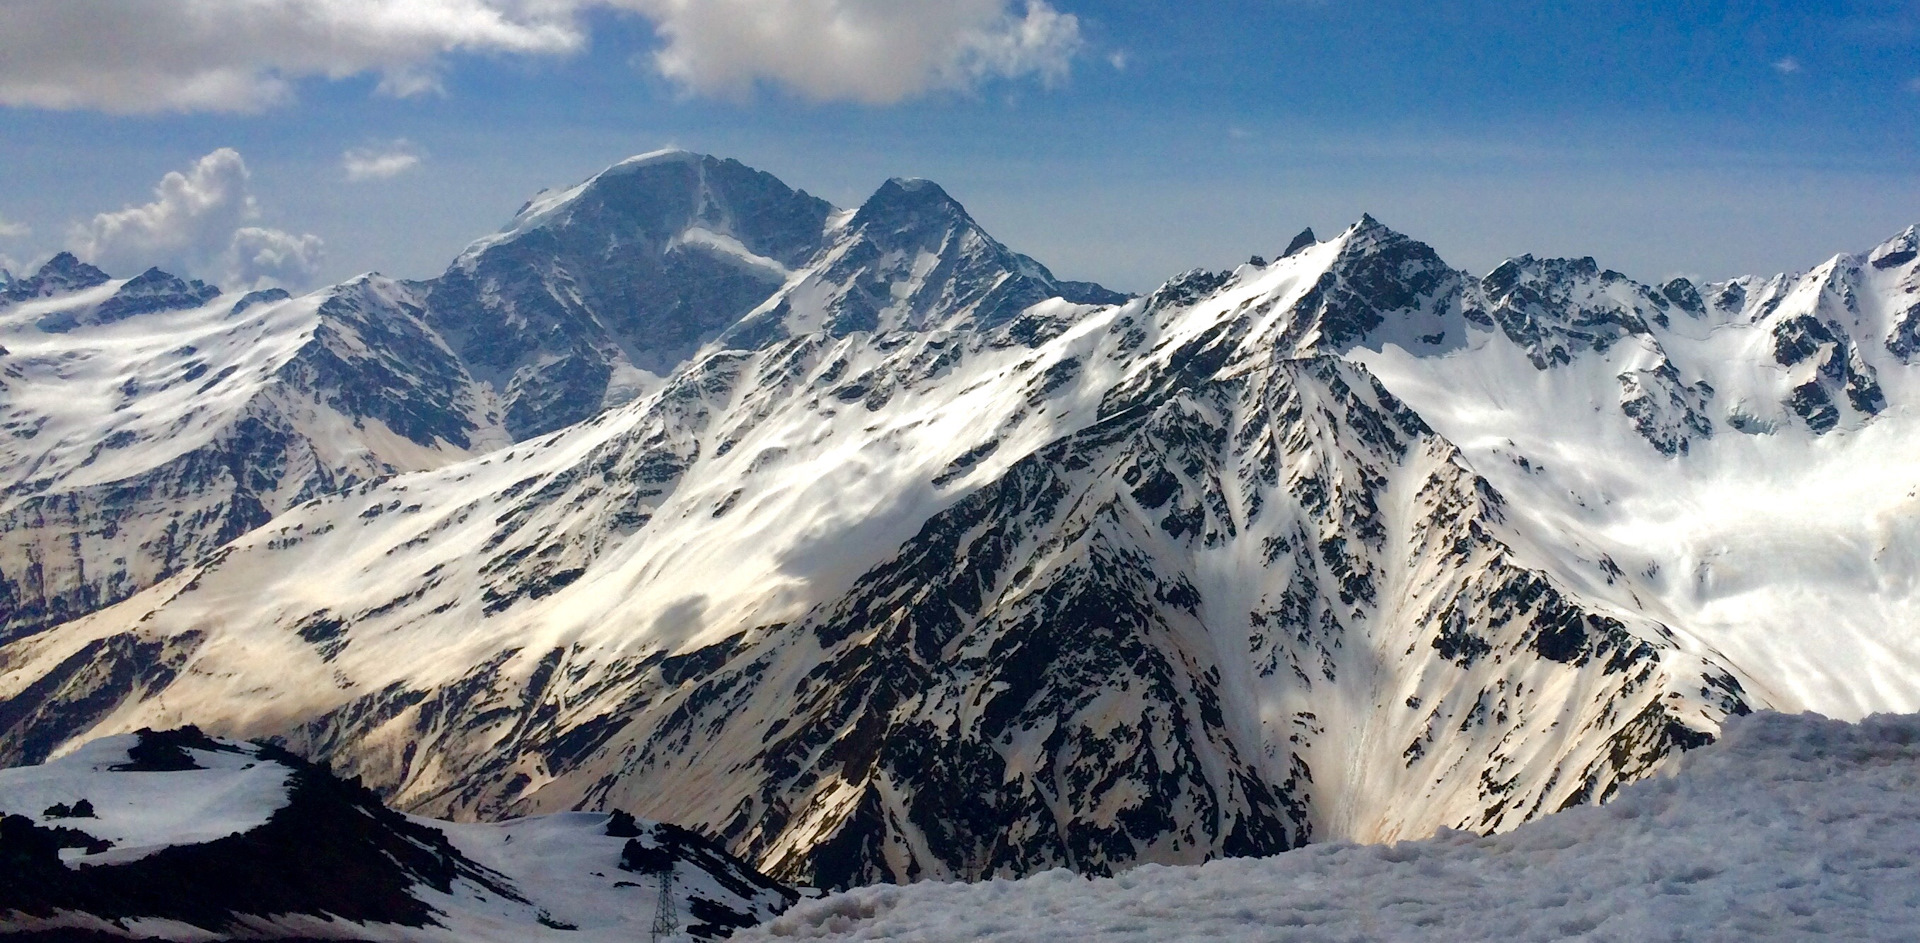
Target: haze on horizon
{"points": [[303, 141]]}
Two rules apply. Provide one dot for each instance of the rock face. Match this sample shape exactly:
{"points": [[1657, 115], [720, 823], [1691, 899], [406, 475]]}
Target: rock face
{"points": [[629, 272], [927, 564]]}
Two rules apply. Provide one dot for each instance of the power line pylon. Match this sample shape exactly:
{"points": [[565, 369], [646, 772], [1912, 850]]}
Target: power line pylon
{"points": [[666, 912]]}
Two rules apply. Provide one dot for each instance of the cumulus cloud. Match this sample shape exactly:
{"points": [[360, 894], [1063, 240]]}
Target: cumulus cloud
{"points": [[245, 55], [381, 161], [242, 55], [872, 51], [200, 223], [1787, 66], [13, 230], [257, 257]]}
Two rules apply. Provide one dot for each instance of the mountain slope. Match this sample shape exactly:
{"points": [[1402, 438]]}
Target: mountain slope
{"points": [[1158, 581], [149, 421], [1792, 829], [1733, 460], [124, 465]]}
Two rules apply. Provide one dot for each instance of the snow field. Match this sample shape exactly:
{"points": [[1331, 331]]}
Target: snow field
{"points": [[143, 812]]}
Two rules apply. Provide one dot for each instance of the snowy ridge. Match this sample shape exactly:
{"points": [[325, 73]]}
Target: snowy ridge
{"points": [[1732, 461], [1317, 622], [1792, 828], [149, 422], [928, 565], [152, 420], [176, 836]]}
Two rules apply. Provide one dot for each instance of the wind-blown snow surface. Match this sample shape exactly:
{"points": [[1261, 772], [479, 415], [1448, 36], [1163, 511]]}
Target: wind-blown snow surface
{"points": [[1791, 828], [914, 572], [141, 812], [148, 421]]}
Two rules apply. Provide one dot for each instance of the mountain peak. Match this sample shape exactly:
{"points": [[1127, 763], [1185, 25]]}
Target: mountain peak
{"points": [[631, 270], [1899, 250], [1306, 240], [911, 203], [665, 155], [66, 271], [62, 273], [150, 291], [1370, 232]]}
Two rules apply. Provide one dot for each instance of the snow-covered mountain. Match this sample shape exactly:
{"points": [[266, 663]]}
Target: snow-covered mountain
{"points": [[593, 294], [149, 420], [173, 835], [928, 564], [152, 420]]}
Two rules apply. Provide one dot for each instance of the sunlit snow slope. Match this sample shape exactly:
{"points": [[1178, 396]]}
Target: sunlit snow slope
{"points": [[147, 421], [915, 571]]}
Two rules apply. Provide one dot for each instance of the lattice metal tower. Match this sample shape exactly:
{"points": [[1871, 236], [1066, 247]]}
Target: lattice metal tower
{"points": [[666, 912]]}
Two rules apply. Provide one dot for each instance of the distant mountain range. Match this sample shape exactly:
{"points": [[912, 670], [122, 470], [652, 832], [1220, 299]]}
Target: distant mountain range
{"points": [[862, 544]]}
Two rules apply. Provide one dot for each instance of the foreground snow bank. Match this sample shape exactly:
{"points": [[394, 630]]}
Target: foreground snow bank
{"points": [[1790, 828]]}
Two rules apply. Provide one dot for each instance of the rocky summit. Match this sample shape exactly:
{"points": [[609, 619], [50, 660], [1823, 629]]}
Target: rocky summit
{"points": [[863, 545]]}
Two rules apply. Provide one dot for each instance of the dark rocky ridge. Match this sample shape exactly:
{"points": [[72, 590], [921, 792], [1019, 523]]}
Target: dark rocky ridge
{"points": [[61, 274]]}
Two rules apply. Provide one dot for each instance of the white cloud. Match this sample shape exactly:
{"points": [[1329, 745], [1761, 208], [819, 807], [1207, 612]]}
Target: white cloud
{"points": [[199, 224], [11, 230], [381, 161], [871, 51], [242, 55], [256, 257], [1787, 66], [136, 56]]}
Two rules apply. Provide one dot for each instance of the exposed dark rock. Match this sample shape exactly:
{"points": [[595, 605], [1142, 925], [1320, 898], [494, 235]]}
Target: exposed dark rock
{"points": [[61, 274], [1305, 240]]}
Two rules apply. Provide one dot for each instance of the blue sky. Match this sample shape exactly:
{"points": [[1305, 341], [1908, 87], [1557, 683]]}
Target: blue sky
{"points": [[1117, 141]]}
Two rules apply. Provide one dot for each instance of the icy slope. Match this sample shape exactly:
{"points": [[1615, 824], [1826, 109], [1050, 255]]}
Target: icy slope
{"points": [[1736, 462], [149, 421], [1095, 586], [1791, 828], [177, 836]]}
